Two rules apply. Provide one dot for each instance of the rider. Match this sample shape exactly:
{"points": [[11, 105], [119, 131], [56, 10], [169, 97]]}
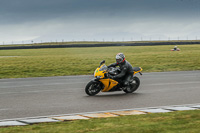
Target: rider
{"points": [[126, 69], [175, 48]]}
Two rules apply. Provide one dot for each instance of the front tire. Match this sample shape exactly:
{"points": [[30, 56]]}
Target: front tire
{"points": [[135, 83], [93, 88]]}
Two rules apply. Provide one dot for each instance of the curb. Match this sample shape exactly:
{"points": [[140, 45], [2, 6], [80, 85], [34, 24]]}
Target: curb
{"points": [[98, 114]]}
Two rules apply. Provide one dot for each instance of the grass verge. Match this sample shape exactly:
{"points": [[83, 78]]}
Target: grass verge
{"points": [[174, 122], [82, 61], [98, 42]]}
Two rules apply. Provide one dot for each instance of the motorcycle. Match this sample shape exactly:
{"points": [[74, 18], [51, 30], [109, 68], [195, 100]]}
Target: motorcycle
{"points": [[103, 82], [178, 49]]}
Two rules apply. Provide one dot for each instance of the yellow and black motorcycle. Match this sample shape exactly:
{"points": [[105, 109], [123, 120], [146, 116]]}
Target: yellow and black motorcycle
{"points": [[103, 82]]}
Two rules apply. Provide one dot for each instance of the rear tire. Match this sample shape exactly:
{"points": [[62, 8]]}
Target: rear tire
{"points": [[93, 88], [135, 83]]}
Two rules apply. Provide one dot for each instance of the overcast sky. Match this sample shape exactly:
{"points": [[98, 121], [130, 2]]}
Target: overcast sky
{"points": [[108, 20]]}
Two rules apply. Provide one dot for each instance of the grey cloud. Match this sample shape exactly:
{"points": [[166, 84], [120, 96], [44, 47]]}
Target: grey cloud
{"points": [[16, 11], [67, 19]]}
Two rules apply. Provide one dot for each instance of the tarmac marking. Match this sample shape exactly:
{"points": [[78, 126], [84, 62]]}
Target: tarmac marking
{"points": [[99, 115], [35, 91], [128, 112], [70, 118], [3, 109], [4, 87]]}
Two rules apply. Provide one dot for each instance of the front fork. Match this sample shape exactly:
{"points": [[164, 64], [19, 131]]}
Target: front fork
{"points": [[96, 80]]}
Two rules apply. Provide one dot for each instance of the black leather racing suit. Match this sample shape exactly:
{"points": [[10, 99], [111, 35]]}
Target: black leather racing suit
{"points": [[126, 72]]}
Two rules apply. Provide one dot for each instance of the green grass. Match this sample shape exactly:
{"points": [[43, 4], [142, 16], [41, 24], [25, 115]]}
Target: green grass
{"points": [[93, 42], [81, 61], [83, 42], [175, 122]]}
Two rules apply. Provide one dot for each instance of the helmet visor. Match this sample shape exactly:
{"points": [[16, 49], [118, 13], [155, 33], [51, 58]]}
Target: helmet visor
{"points": [[118, 60]]}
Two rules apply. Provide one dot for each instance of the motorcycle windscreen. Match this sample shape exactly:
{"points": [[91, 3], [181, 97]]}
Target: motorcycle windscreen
{"points": [[108, 84]]}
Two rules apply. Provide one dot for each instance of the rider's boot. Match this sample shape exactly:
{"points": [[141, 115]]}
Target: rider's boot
{"points": [[126, 85]]}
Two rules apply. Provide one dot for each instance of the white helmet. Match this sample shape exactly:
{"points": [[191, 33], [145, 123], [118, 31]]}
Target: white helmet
{"points": [[120, 58]]}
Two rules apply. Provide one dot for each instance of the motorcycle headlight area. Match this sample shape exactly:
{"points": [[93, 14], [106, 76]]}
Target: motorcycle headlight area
{"points": [[98, 77]]}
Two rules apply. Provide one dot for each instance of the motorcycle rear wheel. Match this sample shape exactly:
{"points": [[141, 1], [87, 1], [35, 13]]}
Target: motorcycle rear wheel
{"points": [[93, 88], [133, 85]]}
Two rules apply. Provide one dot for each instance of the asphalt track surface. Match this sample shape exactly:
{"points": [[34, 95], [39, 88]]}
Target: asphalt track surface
{"points": [[31, 97]]}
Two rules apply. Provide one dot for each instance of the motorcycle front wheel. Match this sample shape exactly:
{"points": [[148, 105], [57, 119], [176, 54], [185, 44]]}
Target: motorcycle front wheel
{"points": [[93, 88], [135, 83]]}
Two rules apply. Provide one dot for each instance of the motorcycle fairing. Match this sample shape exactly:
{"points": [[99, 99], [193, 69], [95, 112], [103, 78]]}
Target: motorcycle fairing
{"points": [[99, 72], [136, 70], [108, 84]]}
